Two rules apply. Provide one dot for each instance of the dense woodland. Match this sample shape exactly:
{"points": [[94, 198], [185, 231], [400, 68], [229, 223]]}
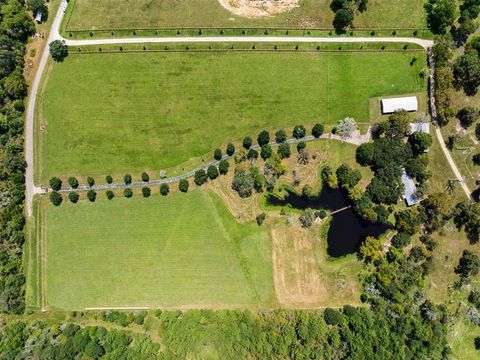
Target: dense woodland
{"points": [[15, 27]]}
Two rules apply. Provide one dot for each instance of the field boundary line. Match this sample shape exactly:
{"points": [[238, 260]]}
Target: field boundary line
{"points": [[118, 308], [127, 51]]}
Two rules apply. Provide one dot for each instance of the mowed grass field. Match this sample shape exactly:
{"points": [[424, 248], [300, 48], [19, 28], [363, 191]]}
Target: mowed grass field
{"points": [[103, 114], [147, 14], [179, 250]]}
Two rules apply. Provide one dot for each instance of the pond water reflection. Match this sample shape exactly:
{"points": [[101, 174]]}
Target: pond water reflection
{"points": [[347, 230]]}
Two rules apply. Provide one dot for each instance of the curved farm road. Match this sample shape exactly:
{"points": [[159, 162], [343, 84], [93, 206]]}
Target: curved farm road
{"points": [[31, 189]]}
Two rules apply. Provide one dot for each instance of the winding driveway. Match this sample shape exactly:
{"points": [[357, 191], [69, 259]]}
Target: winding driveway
{"points": [[54, 34]]}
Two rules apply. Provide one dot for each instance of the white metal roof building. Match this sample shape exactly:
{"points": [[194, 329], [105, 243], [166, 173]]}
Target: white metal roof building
{"points": [[38, 17], [410, 190], [408, 103], [420, 126]]}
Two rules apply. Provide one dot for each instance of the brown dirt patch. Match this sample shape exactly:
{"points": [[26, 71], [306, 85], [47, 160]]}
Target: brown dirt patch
{"points": [[258, 8], [302, 276]]}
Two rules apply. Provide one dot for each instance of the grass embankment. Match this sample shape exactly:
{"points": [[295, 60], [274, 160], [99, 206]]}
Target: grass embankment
{"points": [[87, 18], [105, 114], [183, 250]]}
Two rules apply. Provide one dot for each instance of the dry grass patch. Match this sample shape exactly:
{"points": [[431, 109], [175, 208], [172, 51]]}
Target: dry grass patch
{"points": [[303, 275]]}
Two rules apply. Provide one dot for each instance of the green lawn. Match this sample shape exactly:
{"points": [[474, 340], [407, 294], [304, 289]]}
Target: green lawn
{"points": [[179, 250], [115, 14], [118, 113]]}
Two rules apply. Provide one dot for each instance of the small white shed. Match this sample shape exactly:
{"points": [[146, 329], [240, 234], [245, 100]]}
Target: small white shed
{"points": [[420, 126], [38, 17], [408, 103]]}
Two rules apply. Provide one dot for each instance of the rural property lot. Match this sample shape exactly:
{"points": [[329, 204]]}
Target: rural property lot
{"points": [[117, 113], [138, 14], [179, 250]]}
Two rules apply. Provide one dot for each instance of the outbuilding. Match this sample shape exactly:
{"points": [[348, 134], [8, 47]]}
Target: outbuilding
{"points": [[420, 126], [410, 190], [38, 17], [408, 103]]}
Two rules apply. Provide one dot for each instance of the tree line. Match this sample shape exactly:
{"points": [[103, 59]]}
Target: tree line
{"points": [[15, 28]]}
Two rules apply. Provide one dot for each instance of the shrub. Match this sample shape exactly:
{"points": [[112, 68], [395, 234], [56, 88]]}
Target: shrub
{"points": [[266, 152], [263, 138], [474, 298], [183, 185], [346, 127], [90, 181], [280, 136], [301, 146], [332, 316], [476, 342], [307, 218], [128, 193], [217, 154], [165, 189], [252, 154], [468, 265], [56, 198], [467, 116], [307, 191], [127, 179], [145, 177], [247, 142], [110, 195], [284, 151], [109, 179], [212, 172], [243, 182], [322, 214], [200, 177], [261, 218], [401, 240], [73, 197], [223, 167], [55, 183], [476, 159], [73, 182], [477, 131], [299, 132], [146, 191], [91, 195], [318, 130], [230, 149]]}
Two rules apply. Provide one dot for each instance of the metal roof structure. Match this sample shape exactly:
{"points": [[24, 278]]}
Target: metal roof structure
{"points": [[420, 126], [408, 103], [410, 190]]}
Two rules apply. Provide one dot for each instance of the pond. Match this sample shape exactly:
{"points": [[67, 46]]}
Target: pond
{"points": [[347, 230]]}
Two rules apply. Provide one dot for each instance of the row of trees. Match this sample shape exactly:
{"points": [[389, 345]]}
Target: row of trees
{"points": [[56, 183], [57, 199], [15, 28]]}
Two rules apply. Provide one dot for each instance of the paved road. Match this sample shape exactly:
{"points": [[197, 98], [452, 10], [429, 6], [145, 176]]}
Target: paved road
{"points": [[257, 39], [31, 189]]}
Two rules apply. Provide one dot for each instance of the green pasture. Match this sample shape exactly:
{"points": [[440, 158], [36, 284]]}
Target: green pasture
{"points": [[115, 113], [160, 14], [179, 250]]}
